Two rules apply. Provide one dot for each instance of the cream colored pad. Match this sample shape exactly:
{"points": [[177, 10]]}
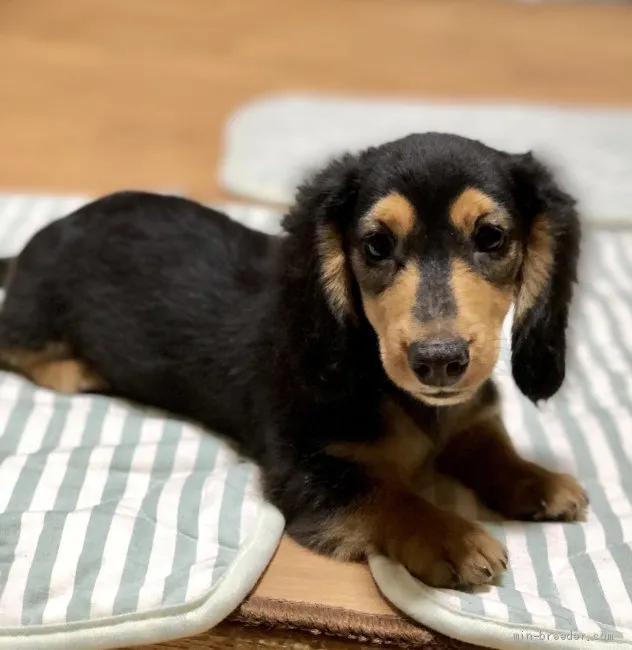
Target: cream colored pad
{"points": [[272, 143]]}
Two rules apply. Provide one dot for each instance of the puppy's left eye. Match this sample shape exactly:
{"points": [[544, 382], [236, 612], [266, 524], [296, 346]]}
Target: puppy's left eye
{"points": [[489, 238], [378, 246]]}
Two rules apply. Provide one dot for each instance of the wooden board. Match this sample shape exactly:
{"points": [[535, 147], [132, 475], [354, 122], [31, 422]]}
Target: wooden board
{"points": [[106, 94]]}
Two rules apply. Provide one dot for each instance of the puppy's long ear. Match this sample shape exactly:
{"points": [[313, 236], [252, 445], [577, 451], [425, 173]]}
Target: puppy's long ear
{"points": [[547, 278], [324, 208]]}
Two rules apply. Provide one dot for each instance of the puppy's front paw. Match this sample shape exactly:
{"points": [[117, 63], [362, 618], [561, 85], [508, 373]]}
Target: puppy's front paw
{"points": [[455, 553], [541, 495]]}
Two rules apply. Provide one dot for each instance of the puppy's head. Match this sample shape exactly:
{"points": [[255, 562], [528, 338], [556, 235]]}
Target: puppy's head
{"points": [[432, 238]]}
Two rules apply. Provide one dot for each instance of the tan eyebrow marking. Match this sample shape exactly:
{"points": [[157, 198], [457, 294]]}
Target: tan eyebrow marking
{"points": [[394, 211], [469, 206]]}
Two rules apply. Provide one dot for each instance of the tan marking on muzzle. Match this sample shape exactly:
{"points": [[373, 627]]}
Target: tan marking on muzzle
{"points": [[391, 314], [481, 310]]}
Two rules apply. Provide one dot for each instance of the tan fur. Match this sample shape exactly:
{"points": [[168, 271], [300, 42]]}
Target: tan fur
{"points": [[481, 306], [391, 316], [482, 456], [439, 547], [66, 376], [52, 368], [536, 268], [333, 271], [481, 310], [395, 212], [401, 454], [24, 360], [469, 206], [466, 415]]}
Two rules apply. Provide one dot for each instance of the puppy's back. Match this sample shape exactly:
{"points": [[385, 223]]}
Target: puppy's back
{"points": [[159, 295]]}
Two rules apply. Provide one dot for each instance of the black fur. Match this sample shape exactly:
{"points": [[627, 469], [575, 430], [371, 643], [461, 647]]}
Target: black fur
{"points": [[5, 265], [177, 306], [539, 338]]}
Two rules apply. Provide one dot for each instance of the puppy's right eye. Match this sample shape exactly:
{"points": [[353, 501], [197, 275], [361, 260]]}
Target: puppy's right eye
{"points": [[489, 238], [378, 246]]}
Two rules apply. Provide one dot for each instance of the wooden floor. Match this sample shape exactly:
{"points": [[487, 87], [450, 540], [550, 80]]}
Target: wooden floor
{"points": [[104, 94]]}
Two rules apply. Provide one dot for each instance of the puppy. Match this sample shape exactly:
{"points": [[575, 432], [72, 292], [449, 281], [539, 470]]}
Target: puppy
{"points": [[345, 357]]}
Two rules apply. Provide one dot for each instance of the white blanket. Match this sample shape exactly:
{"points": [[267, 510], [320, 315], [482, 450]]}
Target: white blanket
{"points": [[118, 525]]}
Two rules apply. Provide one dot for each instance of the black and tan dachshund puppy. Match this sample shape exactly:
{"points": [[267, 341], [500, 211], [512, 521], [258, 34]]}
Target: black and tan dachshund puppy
{"points": [[346, 356]]}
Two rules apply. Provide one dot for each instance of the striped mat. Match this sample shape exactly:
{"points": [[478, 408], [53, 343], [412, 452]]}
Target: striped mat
{"points": [[568, 585], [118, 525]]}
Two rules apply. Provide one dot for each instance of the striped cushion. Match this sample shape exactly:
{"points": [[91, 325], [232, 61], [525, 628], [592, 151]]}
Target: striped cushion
{"points": [[117, 525], [110, 511], [564, 579]]}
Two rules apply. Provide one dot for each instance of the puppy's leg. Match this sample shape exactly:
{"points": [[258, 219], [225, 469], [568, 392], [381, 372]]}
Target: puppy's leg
{"points": [[377, 509], [483, 458], [52, 368], [30, 325], [439, 547], [67, 376]]}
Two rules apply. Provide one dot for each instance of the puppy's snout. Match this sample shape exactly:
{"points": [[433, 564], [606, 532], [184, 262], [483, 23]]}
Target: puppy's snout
{"points": [[439, 362]]}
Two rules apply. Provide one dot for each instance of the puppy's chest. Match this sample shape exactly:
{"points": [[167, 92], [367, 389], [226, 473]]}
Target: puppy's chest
{"points": [[404, 452]]}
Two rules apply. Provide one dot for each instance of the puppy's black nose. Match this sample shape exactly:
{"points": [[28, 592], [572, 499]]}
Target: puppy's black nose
{"points": [[439, 362]]}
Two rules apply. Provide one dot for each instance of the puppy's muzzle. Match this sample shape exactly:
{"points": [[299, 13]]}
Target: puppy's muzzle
{"points": [[439, 362]]}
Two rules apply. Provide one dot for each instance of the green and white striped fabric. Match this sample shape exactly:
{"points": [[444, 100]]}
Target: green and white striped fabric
{"points": [[117, 525], [568, 585]]}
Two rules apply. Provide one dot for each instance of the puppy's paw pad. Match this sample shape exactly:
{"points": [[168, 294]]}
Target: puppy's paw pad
{"points": [[478, 559], [554, 497], [565, 500], [467, 559]]}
